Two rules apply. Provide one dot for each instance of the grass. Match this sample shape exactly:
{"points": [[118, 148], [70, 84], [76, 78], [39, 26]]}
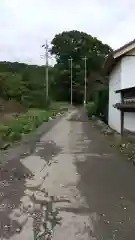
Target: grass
{"points": [[14, 128], [62, 106], [91, 109]]}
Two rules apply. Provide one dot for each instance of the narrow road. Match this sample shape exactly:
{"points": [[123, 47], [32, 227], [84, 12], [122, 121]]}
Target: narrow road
{"points": [[73, 186]]}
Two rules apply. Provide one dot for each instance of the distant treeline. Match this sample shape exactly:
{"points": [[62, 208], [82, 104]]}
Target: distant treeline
{"points": [[24, 83]]}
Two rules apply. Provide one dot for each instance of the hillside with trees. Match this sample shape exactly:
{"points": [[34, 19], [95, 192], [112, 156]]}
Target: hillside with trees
{"points": [[26, 83], [23, 105], [23, 83]]}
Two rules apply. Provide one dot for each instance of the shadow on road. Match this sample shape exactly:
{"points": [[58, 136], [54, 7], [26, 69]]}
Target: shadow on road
{"points": [[108, 184]]}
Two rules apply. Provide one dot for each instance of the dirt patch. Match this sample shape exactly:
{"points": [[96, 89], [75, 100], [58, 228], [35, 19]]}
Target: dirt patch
{"points": [[12, 179], [9, 107]]}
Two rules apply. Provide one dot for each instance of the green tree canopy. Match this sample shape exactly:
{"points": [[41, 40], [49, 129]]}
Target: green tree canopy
{"points": [[76, 45]]}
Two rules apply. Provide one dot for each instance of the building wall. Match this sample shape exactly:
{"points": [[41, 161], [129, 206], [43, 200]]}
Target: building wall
{"points": [[129, 121], [128, 71], [114, 118], [122, 76]]}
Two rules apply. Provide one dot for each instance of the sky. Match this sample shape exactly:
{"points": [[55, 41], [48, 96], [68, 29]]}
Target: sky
{"points": [[26, 24]]}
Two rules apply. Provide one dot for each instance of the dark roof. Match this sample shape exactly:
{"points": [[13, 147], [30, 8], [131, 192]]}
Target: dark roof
{"points": [[125, 89]]}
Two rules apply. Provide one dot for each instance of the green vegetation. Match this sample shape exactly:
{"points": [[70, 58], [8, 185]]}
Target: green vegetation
{"points": [[22, 86], [22, 94], [101, 100], [24, 83], [13, 128], [91, 109], [77, 45], [59, 106], [99, 106]]}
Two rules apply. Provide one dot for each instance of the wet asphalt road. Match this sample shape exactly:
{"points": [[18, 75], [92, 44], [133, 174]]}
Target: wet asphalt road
{"points": [[77, 174]]}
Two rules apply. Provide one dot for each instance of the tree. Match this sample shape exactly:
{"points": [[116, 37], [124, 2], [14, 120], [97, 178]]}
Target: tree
{"points": [[11, 86], [77, 45], [24, 83]]}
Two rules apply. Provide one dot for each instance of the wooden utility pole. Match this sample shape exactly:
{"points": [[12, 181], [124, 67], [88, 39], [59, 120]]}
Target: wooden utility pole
{"points": [[85, 79], [45, 46], [71, 76]]}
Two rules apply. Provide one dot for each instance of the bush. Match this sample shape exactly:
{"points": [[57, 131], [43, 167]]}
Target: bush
{"points": [[91, 109], [14, 128], [101, 101]]}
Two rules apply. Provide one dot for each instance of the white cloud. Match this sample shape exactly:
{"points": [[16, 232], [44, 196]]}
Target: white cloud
{"points": [[25, 24]]}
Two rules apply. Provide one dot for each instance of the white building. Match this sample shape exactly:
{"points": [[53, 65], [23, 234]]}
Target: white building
{"points": [[121, 69]]}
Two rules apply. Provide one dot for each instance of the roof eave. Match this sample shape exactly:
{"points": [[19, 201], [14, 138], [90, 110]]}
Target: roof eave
{"points": [[116, 55], [109, 63]]}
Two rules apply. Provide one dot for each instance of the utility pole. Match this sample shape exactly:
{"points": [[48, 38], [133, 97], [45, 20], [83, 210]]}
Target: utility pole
{"points": [[85, 79], [71, 66], [45, 46]]}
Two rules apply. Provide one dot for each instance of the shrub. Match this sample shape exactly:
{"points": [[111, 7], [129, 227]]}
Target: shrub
{"points": [[91, 109], [101, 101], [14, 128]]}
